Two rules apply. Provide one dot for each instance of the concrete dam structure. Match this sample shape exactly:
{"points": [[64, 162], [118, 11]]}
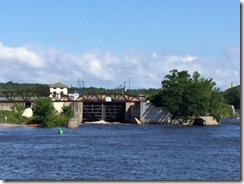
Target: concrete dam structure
{"points": [[110, 108]]}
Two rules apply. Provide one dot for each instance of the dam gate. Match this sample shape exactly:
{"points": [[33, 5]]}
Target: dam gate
{"points": [[111, 112]]}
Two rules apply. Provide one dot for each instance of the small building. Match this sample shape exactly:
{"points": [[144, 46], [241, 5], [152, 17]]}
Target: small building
{"points": [[57, 90]]}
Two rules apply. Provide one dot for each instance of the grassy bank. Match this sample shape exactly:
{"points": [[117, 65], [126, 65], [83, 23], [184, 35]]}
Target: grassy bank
{"points": [[12, 117]]}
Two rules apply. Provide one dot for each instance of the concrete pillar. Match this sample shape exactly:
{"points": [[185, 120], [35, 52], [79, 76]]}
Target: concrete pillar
{"points": [[142, 107], [74, 109], [128, 111], [80, 111], [77, 108], [73, 123], [76, 120], [103, 111]]}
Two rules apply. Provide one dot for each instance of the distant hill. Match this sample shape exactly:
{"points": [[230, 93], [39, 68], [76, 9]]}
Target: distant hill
{"points": [[12, 86]]}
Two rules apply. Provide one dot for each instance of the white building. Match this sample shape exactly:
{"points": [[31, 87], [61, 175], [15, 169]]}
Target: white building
{"points": [[57, 90]]}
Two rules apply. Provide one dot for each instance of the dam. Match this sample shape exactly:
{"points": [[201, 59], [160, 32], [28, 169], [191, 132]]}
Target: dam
{"points": [[122, 108]]}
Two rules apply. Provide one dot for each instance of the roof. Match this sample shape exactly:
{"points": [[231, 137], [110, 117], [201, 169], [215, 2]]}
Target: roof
{"points": [[58, 85]]}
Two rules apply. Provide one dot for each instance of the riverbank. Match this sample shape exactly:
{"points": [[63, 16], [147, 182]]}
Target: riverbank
{"points": [[2, 124], [12, 125]]}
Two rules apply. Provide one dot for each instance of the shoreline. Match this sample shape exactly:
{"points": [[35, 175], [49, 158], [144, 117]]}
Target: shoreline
{"points": [[6, 125], [12, 125], [9, 125]]}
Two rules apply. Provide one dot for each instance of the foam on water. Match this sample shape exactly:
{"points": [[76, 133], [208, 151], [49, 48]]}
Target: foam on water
{"points": [[102, 122]]}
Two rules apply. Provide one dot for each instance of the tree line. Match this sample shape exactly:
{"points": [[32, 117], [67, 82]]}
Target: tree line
{"points": [[13, 86]]}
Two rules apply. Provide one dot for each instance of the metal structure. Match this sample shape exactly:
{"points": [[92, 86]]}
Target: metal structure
{"points": [[21, 96], [94, 111], [90, 107], [30, 96], [110, 107], [100, 98]]}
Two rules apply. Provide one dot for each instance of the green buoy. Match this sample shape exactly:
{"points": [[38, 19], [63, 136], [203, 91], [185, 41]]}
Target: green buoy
{"points": [[60, 131]]}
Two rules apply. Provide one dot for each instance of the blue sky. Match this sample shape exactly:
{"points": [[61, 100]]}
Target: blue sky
{"points": [[106, 42]]}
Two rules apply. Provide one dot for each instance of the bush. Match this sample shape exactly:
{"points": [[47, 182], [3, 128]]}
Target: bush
{"points": [[46, 114], [55, 120]]}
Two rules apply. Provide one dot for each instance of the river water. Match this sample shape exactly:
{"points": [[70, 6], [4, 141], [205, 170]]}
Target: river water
{"points": [[121, 152]]}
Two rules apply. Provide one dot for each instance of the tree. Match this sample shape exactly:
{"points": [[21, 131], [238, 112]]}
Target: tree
{"points": [[67, 111], [219, 108], [188, 96], [43, 109], [198, 95], [232, 96], [46, 114], [174, 91]]}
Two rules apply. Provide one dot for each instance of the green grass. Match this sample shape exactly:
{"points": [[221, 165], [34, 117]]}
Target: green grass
{"points": [[12, 117]]}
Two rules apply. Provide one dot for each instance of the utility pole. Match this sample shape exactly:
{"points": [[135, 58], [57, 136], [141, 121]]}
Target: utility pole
{"points": [[125, 84], [80, 86], [129, 83]]}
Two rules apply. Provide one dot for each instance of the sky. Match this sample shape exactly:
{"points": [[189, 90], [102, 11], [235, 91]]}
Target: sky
{"points": [[109, 43]]}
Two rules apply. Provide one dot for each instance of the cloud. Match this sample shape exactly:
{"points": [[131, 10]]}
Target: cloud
{"points": [[110, 70], [20, 55], [228, 69], [184, 59], [97, 66]]}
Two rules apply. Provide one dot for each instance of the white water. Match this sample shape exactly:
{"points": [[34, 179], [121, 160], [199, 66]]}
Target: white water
{"points": [[102, 122]]}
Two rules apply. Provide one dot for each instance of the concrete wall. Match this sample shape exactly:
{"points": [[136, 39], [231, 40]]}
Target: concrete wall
{"points": [[238, 113], [78, 110], [58, 105], [132, 110], [209, 120], [152, 114], [10, 106], [7, 106]]}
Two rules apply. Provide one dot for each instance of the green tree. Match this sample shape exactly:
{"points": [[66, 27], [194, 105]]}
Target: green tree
{"points": [[46, 114], [197, 96], [43, 109], [219, 108], [233, 96], [67, 111], [188, 96], [174, 89]]}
